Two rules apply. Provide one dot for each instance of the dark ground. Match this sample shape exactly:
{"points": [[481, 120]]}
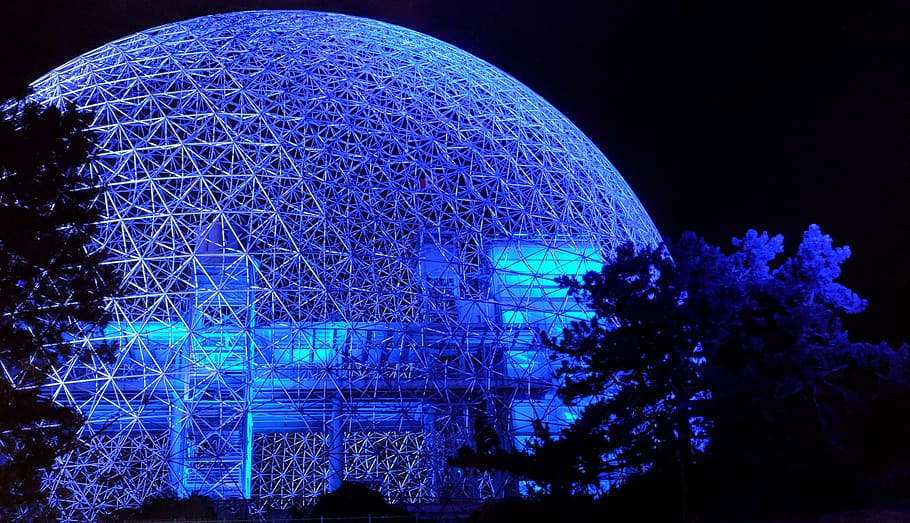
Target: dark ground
{"points": [[855, 516]]}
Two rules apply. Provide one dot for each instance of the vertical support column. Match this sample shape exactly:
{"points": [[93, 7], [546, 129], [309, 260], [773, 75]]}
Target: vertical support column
{"points": [[246, 429], [336, 443], [178, 453], [433, 442], [246, 465], [176, 464], [219, 365]]}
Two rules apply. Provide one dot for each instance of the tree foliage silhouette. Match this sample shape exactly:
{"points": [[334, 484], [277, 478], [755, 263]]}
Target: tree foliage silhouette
{"points": [[789, 389], [52, 288], [166, 506], [726, 379], [634, 369]]}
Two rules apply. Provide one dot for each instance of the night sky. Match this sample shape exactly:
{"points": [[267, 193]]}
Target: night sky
{"points": [[722, 115]]}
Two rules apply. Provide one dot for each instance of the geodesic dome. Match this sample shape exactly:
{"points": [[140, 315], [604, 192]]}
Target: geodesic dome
{"points": [[338, 240]]}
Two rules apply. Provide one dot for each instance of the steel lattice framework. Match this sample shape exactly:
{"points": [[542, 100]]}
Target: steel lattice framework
{"points": [[338, 240]]}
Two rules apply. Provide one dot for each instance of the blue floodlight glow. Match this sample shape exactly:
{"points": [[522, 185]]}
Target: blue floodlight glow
{"points": [[338, 240]]}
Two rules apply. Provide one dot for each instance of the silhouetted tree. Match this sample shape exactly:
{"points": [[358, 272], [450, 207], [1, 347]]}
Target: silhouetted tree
{"points": [[722, 380], [555, 467], [355, 502], [52, 287], [167, 507], [877, 432], [634, 371], [634, 367], [778, 438]]}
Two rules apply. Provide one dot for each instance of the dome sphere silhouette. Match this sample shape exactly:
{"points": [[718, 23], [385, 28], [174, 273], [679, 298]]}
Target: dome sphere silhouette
{"points": [[338, 240]]}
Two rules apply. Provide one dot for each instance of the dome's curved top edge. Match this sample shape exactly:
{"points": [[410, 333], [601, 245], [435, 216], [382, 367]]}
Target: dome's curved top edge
{"points": [[546, 134]]}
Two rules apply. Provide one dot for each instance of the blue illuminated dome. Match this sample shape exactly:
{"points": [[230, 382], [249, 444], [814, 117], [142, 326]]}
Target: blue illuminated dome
{"points": [[338, 240]]}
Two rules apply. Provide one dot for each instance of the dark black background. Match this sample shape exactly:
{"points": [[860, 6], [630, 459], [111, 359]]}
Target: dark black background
{"points": [[722, 115]]}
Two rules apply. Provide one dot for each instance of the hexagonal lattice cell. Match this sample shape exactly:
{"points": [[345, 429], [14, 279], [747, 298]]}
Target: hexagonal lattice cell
{"points": [[338, 240]]}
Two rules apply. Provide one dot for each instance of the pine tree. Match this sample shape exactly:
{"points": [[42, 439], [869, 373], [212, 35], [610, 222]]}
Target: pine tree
{"points": [[52, 288]]}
